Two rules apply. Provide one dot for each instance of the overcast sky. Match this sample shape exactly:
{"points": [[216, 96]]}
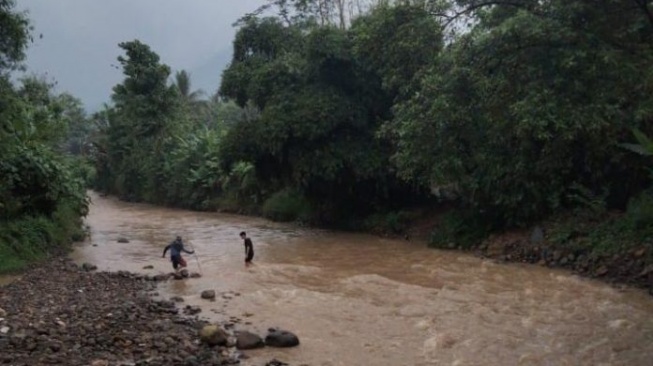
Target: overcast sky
{"points": [[80, 39]]}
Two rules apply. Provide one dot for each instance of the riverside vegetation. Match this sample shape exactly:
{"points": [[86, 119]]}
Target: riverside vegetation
{"points": [[373, 114], [42, 184]]}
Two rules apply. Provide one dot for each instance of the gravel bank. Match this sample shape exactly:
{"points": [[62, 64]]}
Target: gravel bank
{"points": [[59, 313]]}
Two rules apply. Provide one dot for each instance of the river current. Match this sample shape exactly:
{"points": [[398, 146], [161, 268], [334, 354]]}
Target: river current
{"points": [[356, 299]]}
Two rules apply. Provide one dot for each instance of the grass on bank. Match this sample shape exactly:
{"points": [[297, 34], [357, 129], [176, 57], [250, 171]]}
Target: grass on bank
{"points": [[30, 239]]}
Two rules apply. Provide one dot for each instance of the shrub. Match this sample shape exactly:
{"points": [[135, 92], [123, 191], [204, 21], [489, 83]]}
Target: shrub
{"points": [[287, 205], [460, 228]]}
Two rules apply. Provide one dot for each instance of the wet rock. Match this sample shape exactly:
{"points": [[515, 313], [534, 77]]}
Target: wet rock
{"points": [[177, 276], [191, 361], [184, 273], [89, 267], [280, 338], [495, 249], [177, 299], [537, 235], [55, 346], [212, 335], [192, 310], [208, 294], [646, 271], [601, 271], [275, 362], [160, 277], [123, 240], [246, 340], [149, 267], [557, 254]]}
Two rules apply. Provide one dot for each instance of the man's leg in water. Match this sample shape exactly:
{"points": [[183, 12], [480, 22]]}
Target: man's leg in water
{"points": [[175, 262]]}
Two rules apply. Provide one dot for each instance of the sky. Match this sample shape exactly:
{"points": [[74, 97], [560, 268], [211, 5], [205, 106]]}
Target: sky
{"points": [[80, 40]]}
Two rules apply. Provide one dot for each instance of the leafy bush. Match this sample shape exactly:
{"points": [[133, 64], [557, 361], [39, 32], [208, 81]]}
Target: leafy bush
{"points": [[460, 228], [32, 238], [395, 222], [640, 211], [287, 205]]}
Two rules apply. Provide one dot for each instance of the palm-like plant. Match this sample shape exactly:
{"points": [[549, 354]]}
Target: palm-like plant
{"points": [[644, 145], [183, 85]]}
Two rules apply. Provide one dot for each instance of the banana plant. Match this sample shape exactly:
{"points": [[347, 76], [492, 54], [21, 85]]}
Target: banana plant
{"points": [[644, 145]]}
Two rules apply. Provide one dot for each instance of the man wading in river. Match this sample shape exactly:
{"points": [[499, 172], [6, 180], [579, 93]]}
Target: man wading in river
{"points": [[176, 247], [249, 248]]}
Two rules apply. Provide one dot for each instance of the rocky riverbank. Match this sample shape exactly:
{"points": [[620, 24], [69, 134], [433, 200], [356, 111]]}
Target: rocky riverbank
{"points": [[631, 265], [60, 313]]}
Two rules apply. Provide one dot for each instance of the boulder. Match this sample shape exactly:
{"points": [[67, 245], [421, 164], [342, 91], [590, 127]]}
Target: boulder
{"points": [[601, 271], [208, 294], [192, 310], [247, 340], [212, 335], [89, 267], [537, 236], [280, 338], [648, 269], [160, 277], [275, 362]]}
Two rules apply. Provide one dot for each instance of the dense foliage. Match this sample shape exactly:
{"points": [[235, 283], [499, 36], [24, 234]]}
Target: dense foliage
{"points": [[42, 198], [336, 110]]}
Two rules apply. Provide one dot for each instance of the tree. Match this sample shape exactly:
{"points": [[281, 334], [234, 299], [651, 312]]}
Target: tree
{"points": [[14, 35], [397, 43], [321, 96], [41, 200], [144, 94], [183, 84], [143, 118], [529, 103]]}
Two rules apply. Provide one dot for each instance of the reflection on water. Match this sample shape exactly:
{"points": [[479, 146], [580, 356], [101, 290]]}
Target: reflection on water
{"points": [[362, 300]]}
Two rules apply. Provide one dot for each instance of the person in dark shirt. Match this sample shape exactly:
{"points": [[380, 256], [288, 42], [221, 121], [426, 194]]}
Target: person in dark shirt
{"points": [[249, 248], [176, 247]]}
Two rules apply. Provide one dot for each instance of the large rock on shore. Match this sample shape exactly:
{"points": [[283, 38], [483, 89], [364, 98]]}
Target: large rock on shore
{"points": [[281, 338], [208, 294], [212, 335], [89, 267], [246, 340]]}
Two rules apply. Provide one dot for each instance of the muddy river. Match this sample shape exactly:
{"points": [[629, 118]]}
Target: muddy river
{"points": [[356, 299]]}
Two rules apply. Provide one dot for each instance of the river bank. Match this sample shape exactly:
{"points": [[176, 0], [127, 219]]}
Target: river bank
{"points": [[62, 313], [630, 265]]}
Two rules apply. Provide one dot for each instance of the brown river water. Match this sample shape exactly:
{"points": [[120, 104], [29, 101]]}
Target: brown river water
{"points": [[357, 299]]}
